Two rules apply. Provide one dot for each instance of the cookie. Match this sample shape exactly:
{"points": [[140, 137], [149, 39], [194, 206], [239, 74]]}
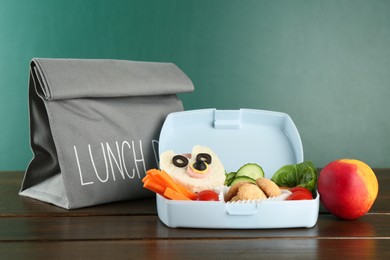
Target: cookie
{"points": [[269, 187]]}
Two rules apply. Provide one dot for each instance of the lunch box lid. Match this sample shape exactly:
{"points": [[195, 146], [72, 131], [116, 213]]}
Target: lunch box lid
{"points": [[242, 136]]}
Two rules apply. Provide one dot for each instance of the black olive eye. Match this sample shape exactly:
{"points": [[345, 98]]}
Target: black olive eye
{"points": [[179, 160], [204, 157]]}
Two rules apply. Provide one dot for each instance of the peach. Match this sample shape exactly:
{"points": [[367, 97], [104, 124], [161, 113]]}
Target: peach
{"points": [[348, 188]]}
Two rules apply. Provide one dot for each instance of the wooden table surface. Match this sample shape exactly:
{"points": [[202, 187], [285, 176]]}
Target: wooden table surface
{"points": [[31, 229]]}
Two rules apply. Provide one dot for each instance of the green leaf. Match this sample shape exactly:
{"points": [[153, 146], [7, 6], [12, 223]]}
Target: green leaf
{"points": [[303, 174]]}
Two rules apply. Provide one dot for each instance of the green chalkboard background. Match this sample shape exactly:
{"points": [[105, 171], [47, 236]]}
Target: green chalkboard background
{"points": [[325, 63]]}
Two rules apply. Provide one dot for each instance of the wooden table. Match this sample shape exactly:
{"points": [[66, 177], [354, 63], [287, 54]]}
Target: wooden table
{"points": [[31, 229]]}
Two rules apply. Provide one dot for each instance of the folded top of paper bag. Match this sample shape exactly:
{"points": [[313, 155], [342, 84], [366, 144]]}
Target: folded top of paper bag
{"points": [[83, 78]]}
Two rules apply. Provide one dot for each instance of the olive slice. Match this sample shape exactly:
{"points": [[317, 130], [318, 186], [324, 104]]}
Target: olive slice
{"points": [[179, 160], [200, 165], [204, 157]]}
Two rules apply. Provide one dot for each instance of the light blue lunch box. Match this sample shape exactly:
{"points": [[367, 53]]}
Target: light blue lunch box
{"points": [[267, 138]]}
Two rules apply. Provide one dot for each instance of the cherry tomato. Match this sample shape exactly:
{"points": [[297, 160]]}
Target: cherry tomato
{"points": [[300, 195], [207, 195], [302, 189]]}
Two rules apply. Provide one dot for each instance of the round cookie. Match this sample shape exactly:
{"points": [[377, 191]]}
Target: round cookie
{"points": [[249, 191], [269, 187], [233, 190]]}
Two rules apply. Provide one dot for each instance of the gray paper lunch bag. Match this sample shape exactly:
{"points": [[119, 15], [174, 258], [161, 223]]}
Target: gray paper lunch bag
{"points": [[94, 126]]}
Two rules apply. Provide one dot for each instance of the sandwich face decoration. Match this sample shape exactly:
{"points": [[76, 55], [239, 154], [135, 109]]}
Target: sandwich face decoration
{"points": [[200, 170]]}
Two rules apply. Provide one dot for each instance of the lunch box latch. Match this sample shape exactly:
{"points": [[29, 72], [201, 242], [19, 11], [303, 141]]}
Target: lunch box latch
{"points": [[227, 119], [241, 209]]}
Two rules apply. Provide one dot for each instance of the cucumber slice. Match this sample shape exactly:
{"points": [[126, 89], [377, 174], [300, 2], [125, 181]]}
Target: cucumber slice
{"points": [[228, 183], [251, 170], [242, 178], [229, 177]]}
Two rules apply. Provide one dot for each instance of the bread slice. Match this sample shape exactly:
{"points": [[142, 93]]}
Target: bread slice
{"points": [[211, 181]]}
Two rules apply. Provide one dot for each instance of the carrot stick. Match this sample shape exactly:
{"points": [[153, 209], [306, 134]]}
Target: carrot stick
{"points": [[148, 173], [175, 186], [160, 181], [155, 175], [145, 178], [174, 195], [151, 172], [155, 187]]}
